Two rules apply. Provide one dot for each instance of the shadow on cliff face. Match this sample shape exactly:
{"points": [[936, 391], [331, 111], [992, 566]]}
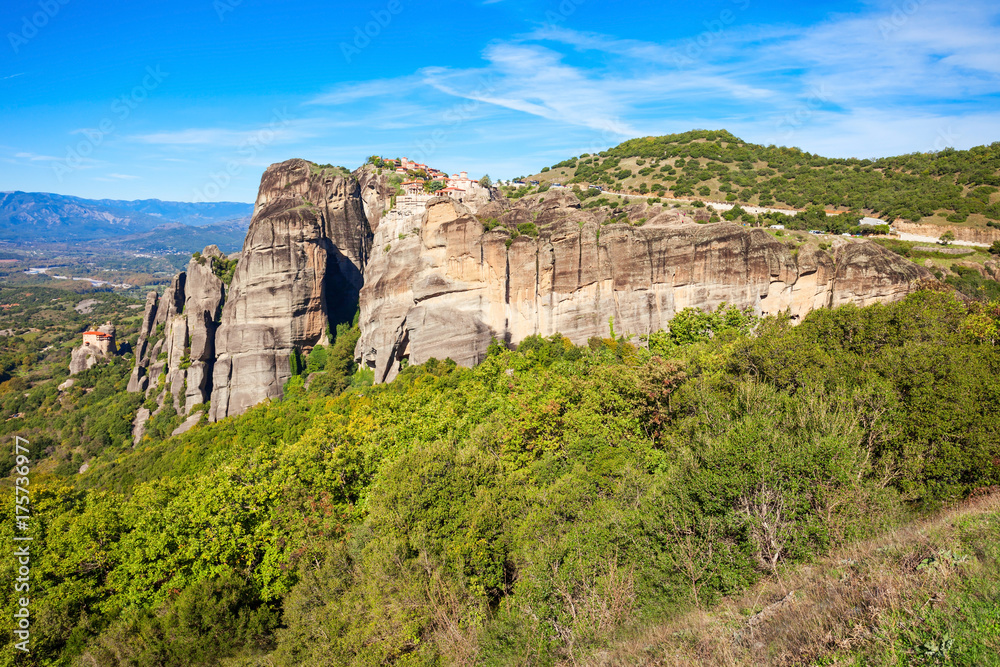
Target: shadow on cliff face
{"points": [[342, 287]]}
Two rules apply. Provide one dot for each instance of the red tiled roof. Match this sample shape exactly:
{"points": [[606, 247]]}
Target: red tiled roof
{"points": [[97, 333]]}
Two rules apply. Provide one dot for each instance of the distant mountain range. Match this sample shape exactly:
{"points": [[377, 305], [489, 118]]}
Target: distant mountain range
{"points": [[180, 238], [46, 217]]}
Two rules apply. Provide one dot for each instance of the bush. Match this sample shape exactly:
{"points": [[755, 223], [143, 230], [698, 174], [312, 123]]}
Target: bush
{"points": [[209, 621], [528, 229], [533, 508]]}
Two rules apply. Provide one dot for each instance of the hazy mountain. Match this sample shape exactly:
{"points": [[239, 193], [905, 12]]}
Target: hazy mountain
{"points": [[180, 238], [42, 216]]}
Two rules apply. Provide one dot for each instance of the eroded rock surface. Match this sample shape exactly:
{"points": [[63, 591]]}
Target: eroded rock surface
{"points": [[300, 269], [442, 278], [446, 286]]}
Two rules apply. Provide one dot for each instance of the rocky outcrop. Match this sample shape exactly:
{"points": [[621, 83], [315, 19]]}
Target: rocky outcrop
{"points": [[445, 286], [139, 424], [188, 423], [139, 380], [300, 270], [441, 278], [97, 345], [175, 352], [376, 194], [992, 270], [980, 235], [299, 273]]}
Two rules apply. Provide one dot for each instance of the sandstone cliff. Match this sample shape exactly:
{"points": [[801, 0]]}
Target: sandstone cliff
{"points": [[441, 285], [983, 236], [175, 352], [300, 270], [442, 278]]}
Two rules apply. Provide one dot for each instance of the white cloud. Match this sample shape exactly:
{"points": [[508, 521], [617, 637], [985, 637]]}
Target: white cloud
{"points": [[276, 133], [380, 88], [533, 80], [34, 157]]}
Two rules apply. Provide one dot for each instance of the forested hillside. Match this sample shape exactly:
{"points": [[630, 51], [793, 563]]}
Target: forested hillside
{"points": [[38, 328], [536, 509], [950, 186]]}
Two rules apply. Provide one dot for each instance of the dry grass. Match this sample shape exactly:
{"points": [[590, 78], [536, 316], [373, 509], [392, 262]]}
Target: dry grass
{"points": [[833, 606]]}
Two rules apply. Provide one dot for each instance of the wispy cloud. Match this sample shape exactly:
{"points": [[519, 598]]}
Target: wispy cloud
{"points": [[885, 78], [194, 137], [533, 79], [47, 161], [34, 157], [347, 93], [867, 83], [222, 137]]}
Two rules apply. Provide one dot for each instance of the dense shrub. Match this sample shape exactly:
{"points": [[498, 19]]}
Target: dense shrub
{"points": [[529, 509]]}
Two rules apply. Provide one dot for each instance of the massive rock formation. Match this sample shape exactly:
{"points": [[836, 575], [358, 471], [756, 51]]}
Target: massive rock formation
{"points": [[442, 278], [443, 286], [175, 353], [300, 270]]}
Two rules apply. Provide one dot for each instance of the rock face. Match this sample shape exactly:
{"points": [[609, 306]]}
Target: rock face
{"points": [[300, 269], [175, 353], [176, 346], [439, 277], [984, 236], [376, 194], [97, 344], [448, 286]]}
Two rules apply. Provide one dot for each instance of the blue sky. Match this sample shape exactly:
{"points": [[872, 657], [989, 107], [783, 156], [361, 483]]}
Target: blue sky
{"points": [[191, 100]]}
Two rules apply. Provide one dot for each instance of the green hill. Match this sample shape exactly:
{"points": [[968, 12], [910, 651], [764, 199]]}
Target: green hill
{"points": [[948, 187]]}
